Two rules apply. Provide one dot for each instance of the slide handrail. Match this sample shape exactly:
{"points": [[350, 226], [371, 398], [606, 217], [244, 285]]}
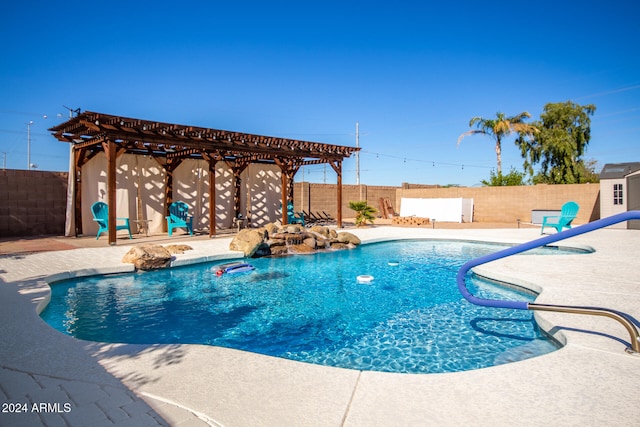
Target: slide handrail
{"points": [[523, 305]]}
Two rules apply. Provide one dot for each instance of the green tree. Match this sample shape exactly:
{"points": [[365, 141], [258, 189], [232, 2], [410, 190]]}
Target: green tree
{"points": [[499, 128], [586, 170], [590, 173], [558, 146], [364, 212], [497, 179]]}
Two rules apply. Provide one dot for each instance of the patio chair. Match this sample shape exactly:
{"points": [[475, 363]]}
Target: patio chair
{"points": [[328, 217], [100, 212], [308, 219], [313, 218], [294, 217], [568, 213], [179, 217]]}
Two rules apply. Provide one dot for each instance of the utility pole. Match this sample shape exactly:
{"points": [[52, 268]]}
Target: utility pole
{"points": [[357, 154], [4, 160], [29, 144]]}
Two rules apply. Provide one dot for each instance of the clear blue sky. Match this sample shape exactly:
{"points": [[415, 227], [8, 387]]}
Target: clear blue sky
{"points": [[410, 72]]}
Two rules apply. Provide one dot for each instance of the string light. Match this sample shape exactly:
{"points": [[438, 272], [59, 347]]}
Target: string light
{"points": [[433, 162]]}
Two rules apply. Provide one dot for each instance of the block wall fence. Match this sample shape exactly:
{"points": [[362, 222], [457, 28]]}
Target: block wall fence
{"points": [[34, 202], [491, 204]]}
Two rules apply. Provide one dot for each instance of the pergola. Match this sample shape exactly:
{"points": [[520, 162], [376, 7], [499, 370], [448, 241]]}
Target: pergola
{"points": [[169, 144]]}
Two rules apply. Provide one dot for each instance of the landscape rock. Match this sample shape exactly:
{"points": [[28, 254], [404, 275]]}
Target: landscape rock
{"points": [[278, 250], [301, 249], [277, 242], [148, 257], [340, 246], [290, 239], [292, 229], [248, 241], [346, 237], [271, 228], [310, 241], [321, 230]]}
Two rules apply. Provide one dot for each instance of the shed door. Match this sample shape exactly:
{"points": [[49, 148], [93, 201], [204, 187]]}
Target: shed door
{"points": [[633, 198]]}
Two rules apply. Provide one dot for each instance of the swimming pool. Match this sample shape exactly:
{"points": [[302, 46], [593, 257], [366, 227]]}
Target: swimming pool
{"points": [[409, 319]]}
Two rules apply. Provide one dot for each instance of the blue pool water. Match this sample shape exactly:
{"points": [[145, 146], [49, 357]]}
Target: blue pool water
{"points": [[311, 308]]}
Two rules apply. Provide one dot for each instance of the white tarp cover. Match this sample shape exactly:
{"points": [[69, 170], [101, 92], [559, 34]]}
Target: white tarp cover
{"points": [[140, 189], [446, 210]]}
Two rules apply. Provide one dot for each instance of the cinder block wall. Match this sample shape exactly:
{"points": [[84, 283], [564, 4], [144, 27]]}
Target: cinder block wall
{"points": [[508, 204], [32, 203], [311, 197], [491, 204]]}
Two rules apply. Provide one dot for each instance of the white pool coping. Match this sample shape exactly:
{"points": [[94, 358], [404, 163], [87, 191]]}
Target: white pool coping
{"points": [[590, 381]]}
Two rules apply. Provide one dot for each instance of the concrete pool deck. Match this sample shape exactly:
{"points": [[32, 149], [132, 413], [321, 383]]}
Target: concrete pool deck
{"points": [[590, 381]]}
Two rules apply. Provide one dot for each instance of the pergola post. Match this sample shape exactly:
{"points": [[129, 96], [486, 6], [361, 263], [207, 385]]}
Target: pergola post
{"points": [[110, 148], [169, 167], [78, 155], [338, 168], [283, 200], [212, 197], [287, 173], [237, 169]]}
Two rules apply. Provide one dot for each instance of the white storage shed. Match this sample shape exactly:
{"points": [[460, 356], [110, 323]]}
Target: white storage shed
{"points": [[620, 191]]}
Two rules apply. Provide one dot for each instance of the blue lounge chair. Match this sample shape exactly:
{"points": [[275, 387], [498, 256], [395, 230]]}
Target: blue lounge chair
{"points": [[179, 217], [100, 212], [294, 217], [567, 215]]}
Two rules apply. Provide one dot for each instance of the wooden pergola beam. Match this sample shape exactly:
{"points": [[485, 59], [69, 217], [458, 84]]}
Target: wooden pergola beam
{"points": [[337, 166], [169, 144], [111, 150]]}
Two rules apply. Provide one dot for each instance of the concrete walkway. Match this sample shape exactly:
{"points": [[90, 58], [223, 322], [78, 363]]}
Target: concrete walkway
{"points": [[56, 380]]}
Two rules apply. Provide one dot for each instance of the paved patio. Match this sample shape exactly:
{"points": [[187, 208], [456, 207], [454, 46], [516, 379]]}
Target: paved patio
{"points": [[590, 381]]}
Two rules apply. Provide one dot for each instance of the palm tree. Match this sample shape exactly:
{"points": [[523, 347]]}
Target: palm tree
{"points": [[499, 128], [364, 212]]}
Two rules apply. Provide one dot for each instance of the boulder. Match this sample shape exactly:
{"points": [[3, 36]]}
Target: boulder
{"points": [[271, 228], [340, 246], [148, 257], [291, 229], [278, 250], [321, 230], [346, 237], [310, 241], [322, 243], [293, 239], [301, 249], [276, 242], [247, 241]]}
